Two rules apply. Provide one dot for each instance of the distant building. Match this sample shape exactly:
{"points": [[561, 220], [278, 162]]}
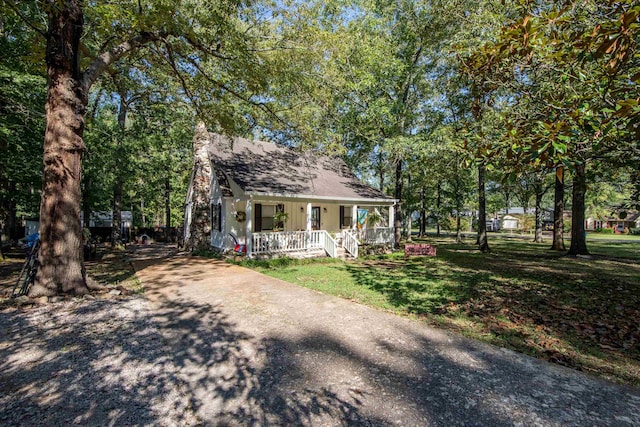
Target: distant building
{"points": [[102, 219], [509, 222]]}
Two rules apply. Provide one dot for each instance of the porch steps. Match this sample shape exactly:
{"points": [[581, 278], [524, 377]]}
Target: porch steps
{"points": [[343, 254]]}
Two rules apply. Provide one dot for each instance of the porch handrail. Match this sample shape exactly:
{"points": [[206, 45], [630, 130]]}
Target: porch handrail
{"points": [[330, 245], [292, 241], [350, 243]]}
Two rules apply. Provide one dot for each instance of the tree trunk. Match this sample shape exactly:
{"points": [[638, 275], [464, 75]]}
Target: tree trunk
{"points": [[423, 214], [458, 229], [144, 217], [409, 226], [167, 209], [61, 264], [116, 223], [507, 201], [438, 203], [381, 171], [483, 242], [558, 212], [199, 236], [539, 194], [578, 235], [9, 209], [86, 208], [398, 195]]}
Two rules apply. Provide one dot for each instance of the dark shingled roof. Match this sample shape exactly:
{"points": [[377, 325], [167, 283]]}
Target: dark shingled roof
{"points": [[264, 167]]}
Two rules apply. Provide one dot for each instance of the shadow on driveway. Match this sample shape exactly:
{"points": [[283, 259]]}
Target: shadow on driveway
{"points": [[217, 345]]}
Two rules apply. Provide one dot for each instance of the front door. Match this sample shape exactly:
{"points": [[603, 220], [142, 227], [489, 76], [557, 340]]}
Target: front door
{"points": [[315, 218]]}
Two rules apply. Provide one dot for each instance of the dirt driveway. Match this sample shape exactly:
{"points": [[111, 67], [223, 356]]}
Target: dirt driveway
{"points": [[253, 350]]}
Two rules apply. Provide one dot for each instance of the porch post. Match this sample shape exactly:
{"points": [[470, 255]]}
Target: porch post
{"points": [[308, 239], [308, 216], [354, 217], [248, 240], [392, 224]]}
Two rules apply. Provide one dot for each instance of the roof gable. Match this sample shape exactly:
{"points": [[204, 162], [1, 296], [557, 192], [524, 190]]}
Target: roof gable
{"points": [[266, 168]]}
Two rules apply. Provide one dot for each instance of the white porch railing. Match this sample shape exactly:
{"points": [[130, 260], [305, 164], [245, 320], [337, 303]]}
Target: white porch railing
{"points": [[292, 241], [316, 239], [288, 241], [350, 243], [376, 235], [330, 245]]}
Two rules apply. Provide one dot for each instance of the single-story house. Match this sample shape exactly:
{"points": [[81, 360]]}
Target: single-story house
{"points": [[591, 224], [623, 220], [269, 199]]}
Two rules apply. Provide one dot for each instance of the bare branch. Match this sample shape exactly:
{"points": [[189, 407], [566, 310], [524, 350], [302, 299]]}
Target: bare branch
{"points": [[90, 75], [261, 105]]}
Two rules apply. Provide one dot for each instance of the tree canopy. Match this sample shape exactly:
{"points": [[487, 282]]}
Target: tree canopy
{"points": [[410, 93]]}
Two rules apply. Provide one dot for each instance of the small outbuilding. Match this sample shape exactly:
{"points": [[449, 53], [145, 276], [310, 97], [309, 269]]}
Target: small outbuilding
{"points": [[509, 223]]}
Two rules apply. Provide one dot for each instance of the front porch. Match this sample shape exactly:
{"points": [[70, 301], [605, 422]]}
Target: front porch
{"points": [[326, 243], [275, 226]]}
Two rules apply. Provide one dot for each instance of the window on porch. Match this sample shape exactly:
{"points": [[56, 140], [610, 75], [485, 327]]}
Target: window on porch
{"points": [[346, 216], [264, 217]]}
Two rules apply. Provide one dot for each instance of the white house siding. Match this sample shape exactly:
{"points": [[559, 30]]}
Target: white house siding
{"points": [[238, 229], [297, 220]]}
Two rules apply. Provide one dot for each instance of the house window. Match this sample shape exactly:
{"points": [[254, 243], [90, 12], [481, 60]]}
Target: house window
{"points": [[264, 217], [216, 217], [346, 213]]}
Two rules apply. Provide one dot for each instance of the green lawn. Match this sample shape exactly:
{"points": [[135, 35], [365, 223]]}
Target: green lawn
{"points": [[579, 312]]}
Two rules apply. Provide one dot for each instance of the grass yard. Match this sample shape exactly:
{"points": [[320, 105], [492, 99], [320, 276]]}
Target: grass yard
{"points": [[582, 313]]}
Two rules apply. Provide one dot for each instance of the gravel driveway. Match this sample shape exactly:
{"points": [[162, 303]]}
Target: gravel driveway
{"points": [[215, 344]]}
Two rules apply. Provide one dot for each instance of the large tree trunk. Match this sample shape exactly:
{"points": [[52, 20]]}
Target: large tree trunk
{"points": [[61, 264], [558, 212], [199, 235], [578, 236], [458, 228], [116, 223], [483, 242], [398, 195]]}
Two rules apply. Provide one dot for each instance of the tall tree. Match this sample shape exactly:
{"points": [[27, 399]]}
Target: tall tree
{"points": [[228, 58]]}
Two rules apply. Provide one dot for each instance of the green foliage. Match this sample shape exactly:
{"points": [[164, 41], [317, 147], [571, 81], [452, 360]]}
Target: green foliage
{"points": [[21, 129]]}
